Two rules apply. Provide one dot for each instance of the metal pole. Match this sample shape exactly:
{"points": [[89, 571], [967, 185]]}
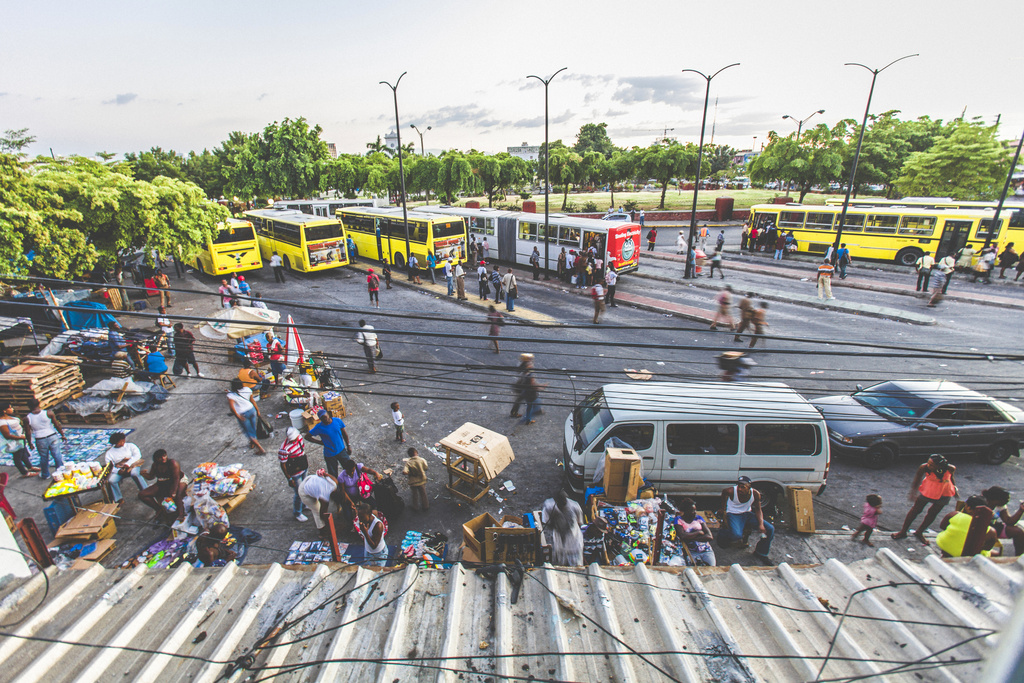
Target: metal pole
{"points": [[799, 130], [1006, 189], [547, 168], [688, 271], [860, 141], [401, 169]]}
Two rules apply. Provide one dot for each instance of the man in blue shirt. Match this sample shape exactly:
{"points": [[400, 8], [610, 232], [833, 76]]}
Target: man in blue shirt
{"points": [[156, 364], [333, 438], [842, 260]]}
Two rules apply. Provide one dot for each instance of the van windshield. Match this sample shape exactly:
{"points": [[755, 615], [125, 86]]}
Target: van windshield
{"points": [[590, 419]]}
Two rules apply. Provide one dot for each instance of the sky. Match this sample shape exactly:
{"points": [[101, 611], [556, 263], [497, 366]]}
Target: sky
{"points": [[126, 76]]}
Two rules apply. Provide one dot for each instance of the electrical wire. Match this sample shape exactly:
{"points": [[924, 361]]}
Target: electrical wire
{"points": [[46, 590]]}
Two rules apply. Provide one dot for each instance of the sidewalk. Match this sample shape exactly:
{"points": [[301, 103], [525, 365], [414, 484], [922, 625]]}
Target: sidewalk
{"points": [[851, 282]]}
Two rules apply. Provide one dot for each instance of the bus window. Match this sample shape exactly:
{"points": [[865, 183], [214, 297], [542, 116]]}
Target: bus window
{"points": [[417, 231], [764, 221], [917, 225], [451, 228], [853, 223], [489, 226], [881, 223], [985, 229], [820, 221], [326, 231], [237, 234], [528, 231], [542, 231], [791, 219], [568, 236], [1017, 218], [286, 233]]}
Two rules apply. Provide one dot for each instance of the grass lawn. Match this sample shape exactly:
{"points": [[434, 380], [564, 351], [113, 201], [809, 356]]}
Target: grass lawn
{"points": [[648, 201]]}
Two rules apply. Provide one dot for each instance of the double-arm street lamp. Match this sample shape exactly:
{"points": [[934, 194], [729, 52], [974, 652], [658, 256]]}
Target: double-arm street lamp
{"points": [[547, 166], [801, 122], [860, 141], [401, 169], [413, 126], [688, 271]]}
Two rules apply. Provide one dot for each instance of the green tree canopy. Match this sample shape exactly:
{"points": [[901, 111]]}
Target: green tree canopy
{"points": [[888, 143], [565, 170], [15, 141], [668, 159], [593, 137], [453, 176], [968, 164], [815, 159], [282, 161], [155, 162]]}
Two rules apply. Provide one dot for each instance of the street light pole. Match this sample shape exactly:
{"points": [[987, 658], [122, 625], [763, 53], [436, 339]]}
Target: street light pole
{"points": [[401, 169], [860, 141], [413, 126], [688, 271], [547, 168], [799, 129], [1006, 189]]}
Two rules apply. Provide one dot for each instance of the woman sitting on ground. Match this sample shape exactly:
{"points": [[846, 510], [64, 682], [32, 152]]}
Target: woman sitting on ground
{"points": [[967, 533], [1005, 524]]}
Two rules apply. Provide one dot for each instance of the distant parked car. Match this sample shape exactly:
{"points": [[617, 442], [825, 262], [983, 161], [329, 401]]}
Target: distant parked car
{"points": [[919, 417], [625, 217]]}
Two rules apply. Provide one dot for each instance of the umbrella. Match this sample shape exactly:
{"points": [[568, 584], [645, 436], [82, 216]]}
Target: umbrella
{"points": [[295, 352], [240, 321]]}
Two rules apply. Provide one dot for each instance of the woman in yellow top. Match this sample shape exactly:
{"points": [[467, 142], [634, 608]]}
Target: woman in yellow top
{"points": [[967, 533], [254, 379], [933, 484]]}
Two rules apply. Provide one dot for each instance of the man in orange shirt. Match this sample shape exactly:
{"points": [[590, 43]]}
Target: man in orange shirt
{"points": [[825, 270]]}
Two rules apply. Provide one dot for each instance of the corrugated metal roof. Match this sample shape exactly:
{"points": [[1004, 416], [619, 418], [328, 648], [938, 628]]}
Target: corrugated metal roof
{"points": [[584, 624]]}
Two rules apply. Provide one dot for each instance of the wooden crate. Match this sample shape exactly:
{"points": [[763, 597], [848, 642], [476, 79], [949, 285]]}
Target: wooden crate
{"points": [[50, 380]]}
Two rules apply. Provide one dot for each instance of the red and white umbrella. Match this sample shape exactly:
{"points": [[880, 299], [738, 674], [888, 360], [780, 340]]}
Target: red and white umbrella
{"points": [[295, 352]]}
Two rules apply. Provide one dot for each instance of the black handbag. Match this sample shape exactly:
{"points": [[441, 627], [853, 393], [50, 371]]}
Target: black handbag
{"points": [[264, 430]]}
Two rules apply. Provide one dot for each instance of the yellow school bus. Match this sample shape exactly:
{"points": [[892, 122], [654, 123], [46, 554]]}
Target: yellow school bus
{"points": [[233, 250], [380, 233], [305, 243], [890, 233]]}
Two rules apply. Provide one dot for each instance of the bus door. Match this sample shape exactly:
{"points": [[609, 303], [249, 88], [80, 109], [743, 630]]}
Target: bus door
{"points": [[506, 237], [380, 226], [598, 240], [954, 237]]}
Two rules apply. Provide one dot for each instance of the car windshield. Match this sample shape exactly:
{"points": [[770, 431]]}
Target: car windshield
{"points": [[889, 400], [590, 419]]}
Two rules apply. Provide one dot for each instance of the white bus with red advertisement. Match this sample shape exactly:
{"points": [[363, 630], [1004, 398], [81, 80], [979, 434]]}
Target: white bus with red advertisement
{"points": [[512, 235]]}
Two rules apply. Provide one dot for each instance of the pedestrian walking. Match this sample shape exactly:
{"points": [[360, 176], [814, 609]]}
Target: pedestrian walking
{"points": [[746, 307], [399, 420], [495, 321], [385, 267], [226, 294], [938, 285], [162, 283], [724, 313], [760, 323], [983, 269], [245, 411], [508, 283], [744, 237], [1007, 259], [373, 287], [702, 238], [449, 275], [367, 338], [570, 266], [560, 265], [330, 433], [460, 282], [716, 262], [641, 218], [276, 355], [965, 258], [48, 433], [415, 469], [740, 512], [752, 239], [564, 518], [483, 281], [294, 464], [924, 270], [842, 260], [610, 278], [485, 250], [525, 366], [948, 266], [350, 248], [499, 294], [869, 519], [278, 266], [581, 270], [780, 246], [244, 290], [414, 269], [535, 263], [652, 236], [184, 351], [597, 294], [934, 484], [14, 440], [825, 270], [681, 243], [431, 267]]}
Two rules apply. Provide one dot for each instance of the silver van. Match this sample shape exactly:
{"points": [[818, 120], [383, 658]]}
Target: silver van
{"points": [[697, 438]]}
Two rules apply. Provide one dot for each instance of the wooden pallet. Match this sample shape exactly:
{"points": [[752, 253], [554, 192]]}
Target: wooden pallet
{"points": [[50, 380], [105, 418]]}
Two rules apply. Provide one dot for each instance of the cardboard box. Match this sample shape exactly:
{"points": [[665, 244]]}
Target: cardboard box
{"points": [[473, 532], [309, 419], [92, 523], [507, 545], [469, 555], [621, 474], [801, 509], [335, 406]]}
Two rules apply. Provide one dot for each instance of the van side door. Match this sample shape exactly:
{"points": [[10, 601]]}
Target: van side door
{"points": [[700, 457], [639, 436], [791, 453]]}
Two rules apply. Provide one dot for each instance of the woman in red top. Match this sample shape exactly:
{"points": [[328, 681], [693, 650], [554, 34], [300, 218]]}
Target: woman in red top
{"points": [[294, 465], [934, 484], [373, 286]]}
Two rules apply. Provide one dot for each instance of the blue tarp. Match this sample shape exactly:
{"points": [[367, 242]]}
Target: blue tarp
{"points": [[91, 317]]}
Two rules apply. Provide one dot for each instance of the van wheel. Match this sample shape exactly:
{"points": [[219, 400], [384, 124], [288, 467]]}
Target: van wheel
{"points": [[879, 457], [908, 256], [998, 453], [769, 498]]}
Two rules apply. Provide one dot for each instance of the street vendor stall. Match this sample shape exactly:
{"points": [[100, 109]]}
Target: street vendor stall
{"points": [[73, 480], [473, 457]]}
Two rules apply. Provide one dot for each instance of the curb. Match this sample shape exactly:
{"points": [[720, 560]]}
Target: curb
{"points": [[840, 307]]}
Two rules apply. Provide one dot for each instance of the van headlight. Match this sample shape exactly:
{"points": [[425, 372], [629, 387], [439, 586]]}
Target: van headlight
{"points": [[839, 437], [574, 469]]}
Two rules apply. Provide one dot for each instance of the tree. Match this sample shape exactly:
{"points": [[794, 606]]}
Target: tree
{"points": [[969, 164], [720, 158], [239, 180], [205, 170], [453, 176], [339, 174], [14, 141], [487, 169], [565, 170], [815, 159], [423, 174], [593, 137], [283, 160], [668, 159], [155, 162], [888, 143]]}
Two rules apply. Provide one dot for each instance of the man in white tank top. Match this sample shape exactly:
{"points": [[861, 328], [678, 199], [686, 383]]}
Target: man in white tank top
{"points": [[48, 432], [740, 512]]}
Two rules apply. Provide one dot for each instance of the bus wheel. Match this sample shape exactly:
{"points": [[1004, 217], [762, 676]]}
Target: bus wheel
{"points": [[199, 267], [287, 263], [399, 260], [908, 256]]}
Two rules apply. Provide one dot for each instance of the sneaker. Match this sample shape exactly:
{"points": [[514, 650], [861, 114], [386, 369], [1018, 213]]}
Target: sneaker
{"points": [[199, 374], [301, 517]]}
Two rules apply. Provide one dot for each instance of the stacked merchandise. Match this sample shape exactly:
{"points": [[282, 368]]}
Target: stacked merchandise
{"points": [[167, 554], [76, 478], [427, 549], [221, 482], [672, 551], [50, 380], [633, 528], [314, 552]]}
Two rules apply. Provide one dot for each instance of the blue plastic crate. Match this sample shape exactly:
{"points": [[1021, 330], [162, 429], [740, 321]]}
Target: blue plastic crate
{"points": [[58, 512]]}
